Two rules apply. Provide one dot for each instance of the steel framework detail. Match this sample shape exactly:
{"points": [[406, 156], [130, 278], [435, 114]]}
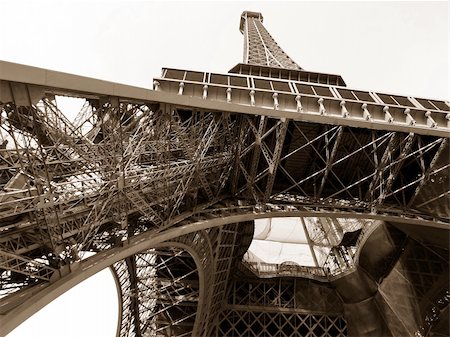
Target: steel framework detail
{"points": [[163, 187]]}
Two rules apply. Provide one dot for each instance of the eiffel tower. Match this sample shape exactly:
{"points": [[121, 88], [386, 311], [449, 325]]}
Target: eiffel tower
{"points": [[164, 187]]}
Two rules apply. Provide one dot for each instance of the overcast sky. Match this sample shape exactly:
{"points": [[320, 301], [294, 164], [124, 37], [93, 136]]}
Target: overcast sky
{"points": [[400, 47]]}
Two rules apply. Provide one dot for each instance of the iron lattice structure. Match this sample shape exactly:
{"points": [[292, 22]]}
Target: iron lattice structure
{"points": [[164, 186]]}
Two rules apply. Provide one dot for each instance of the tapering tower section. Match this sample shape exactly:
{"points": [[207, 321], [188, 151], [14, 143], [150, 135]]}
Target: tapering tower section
{"points": [[259, 46]]}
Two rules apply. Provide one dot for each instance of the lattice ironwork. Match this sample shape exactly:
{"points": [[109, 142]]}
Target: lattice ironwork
{"points": [[160, 288], [159, 293], [281, 307], [415, 291], [210, 150], [250, 323], [291, 293], [259, 46], [79, 189]]}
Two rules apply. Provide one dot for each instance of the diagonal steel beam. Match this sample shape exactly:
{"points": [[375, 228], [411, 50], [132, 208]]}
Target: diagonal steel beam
{"points": [[330, 160], [381, 165], [381, 139], [133, 278], [426, 176], [409, 140], [257, 151], [275, 160]]}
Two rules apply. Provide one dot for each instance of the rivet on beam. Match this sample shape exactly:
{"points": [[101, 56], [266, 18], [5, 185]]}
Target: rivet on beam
{"points": [[252, 97], [344, 111], [298, 99], [387, 115], [180, 89], [409, 119], [229, 95], [430, 121], [156, 85], [275, 101], [205, 91], [322, 109], [366, 114]]}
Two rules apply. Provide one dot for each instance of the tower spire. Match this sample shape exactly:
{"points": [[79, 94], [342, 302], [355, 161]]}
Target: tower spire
{"points": [[259, 46]]}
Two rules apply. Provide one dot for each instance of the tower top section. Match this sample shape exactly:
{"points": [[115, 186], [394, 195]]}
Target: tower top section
{"points": [[263, 57], [259, 46], [248, 14]]}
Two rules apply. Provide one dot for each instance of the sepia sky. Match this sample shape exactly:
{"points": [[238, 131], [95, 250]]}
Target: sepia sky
{"points": [[394, 47], [398, 47]]}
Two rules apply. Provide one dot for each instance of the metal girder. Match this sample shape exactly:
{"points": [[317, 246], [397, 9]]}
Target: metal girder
{"points": [[133, 289], [154, 290], [75, 201], [330, 159], [224, 213], [93, 185], [419, 276], [394, 171], [301, 101], [289, 306], [166, 288], [258, 133], [274, 161], [370, 114], [26, 266], [381, 165], [315, 170], [429, 171]]}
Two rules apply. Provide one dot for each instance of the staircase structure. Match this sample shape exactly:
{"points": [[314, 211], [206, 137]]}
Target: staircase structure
{"points": [[164, 186]]}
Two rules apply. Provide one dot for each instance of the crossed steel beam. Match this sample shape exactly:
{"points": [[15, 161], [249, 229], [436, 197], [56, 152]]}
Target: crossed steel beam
{"points": [[138, 161]]}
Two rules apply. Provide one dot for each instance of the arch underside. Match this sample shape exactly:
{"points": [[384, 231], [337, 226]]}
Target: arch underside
{"points": [[159, 288], [60, 197], [398, 286], [426, 267], [131, 171], [162, 298]]}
